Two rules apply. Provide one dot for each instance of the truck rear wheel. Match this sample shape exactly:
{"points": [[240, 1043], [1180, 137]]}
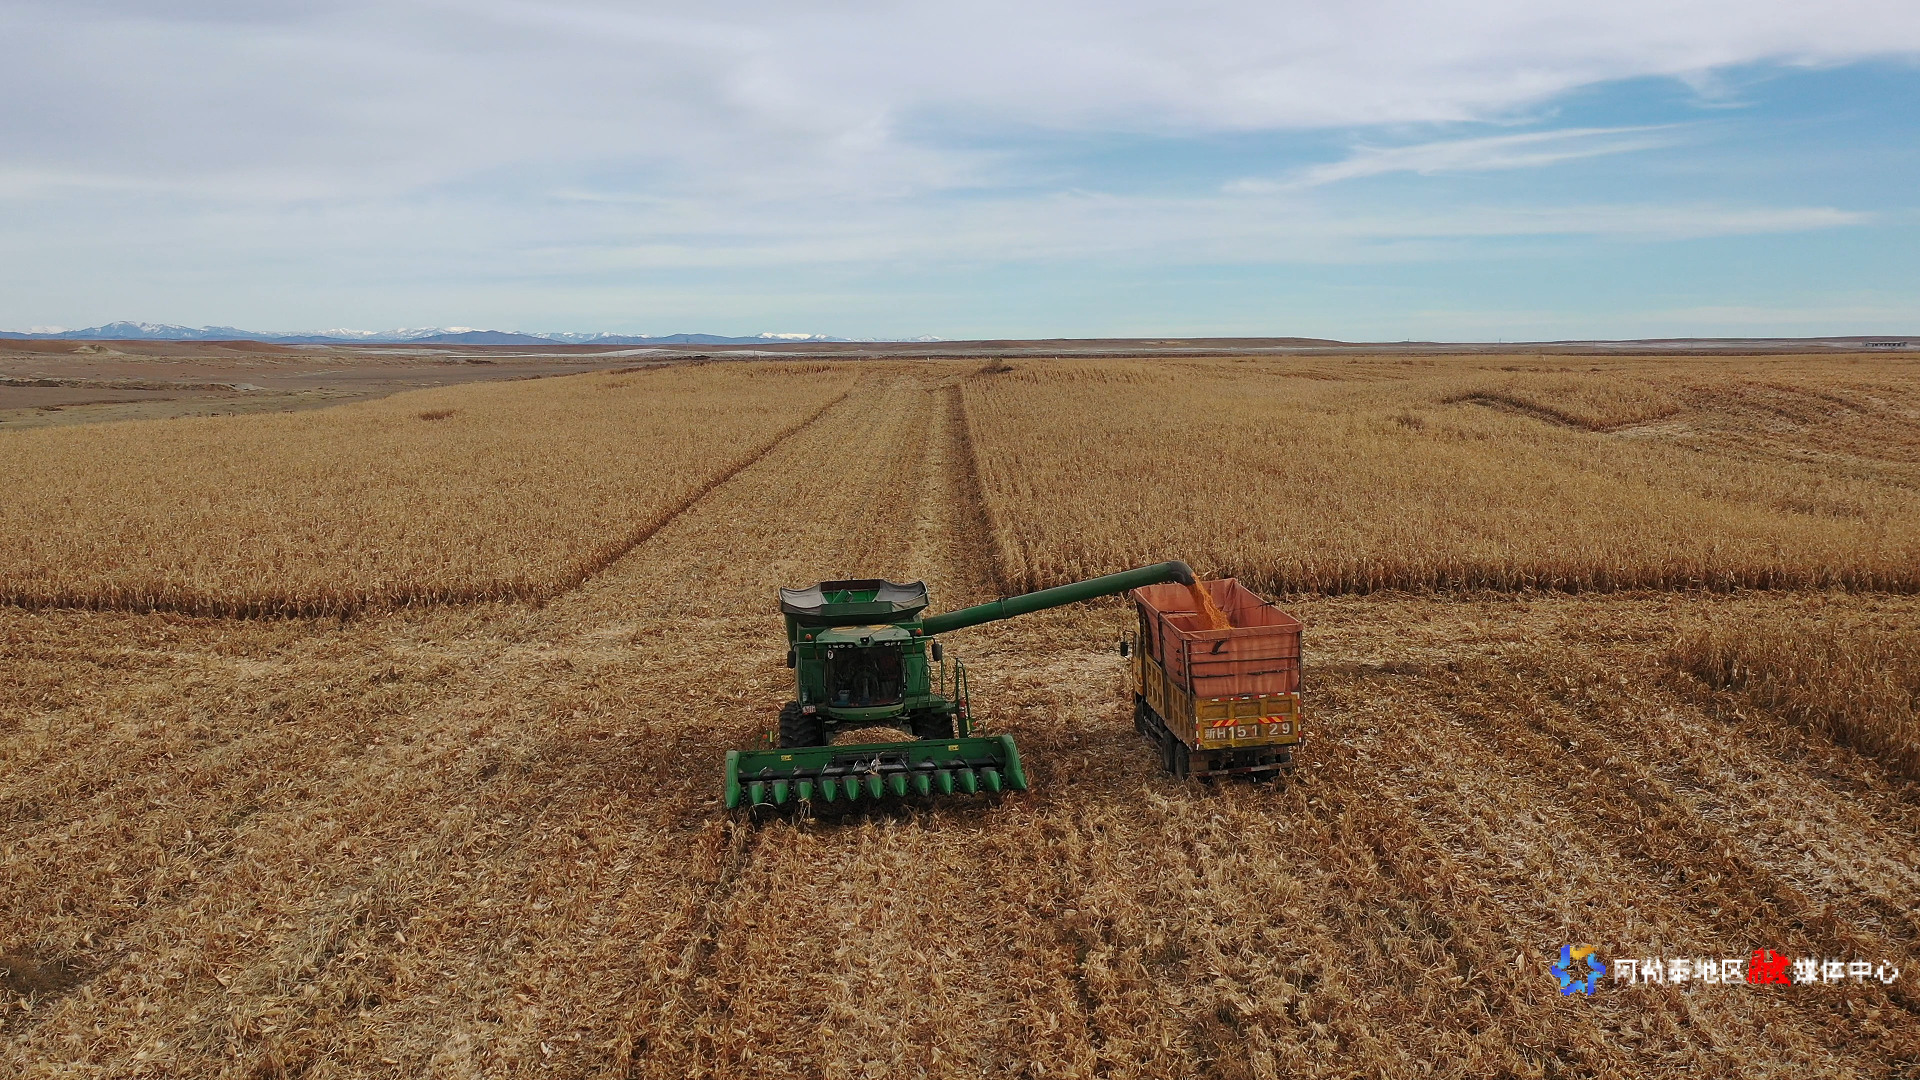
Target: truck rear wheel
{"points": [[1175, 758], [800, 729]]}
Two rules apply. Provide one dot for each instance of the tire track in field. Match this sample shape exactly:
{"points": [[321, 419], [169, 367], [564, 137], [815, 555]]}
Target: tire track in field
{"points": [[1509, 829], [952, 538], [1858, 784], [327, 922], [1700, 869], [832, 892], [1061, 960], [975, 545], [849, 946], [845, 498], [1056, 960], [214, 607], [694, 499], [1857, 869]]}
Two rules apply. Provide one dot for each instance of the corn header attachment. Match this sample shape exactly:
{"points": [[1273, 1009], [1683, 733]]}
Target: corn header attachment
{"points": [[875, 771], [863, 655]]}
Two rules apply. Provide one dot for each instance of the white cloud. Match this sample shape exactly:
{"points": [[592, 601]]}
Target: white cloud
{"points": [[353, 96], [249, 151], [1522, 151]]}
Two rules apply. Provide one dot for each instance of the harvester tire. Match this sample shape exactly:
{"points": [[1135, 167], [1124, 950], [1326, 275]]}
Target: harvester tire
{"points": [[933, 725], [799, 729]]}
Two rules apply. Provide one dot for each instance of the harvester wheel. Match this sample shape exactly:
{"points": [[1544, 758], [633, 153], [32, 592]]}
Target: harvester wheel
{"points": [[798, 728], [933, 725]]}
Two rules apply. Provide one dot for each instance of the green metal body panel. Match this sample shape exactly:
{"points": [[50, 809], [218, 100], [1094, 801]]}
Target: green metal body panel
{"points": [[862, 655], [859, 655]]}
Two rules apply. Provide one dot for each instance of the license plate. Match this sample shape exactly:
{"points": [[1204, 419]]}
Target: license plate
{"points": [[1278, 729]]}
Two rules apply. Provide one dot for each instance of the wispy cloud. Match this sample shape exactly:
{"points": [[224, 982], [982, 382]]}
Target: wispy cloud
{"points": [[1528, 150], [227, 160]]}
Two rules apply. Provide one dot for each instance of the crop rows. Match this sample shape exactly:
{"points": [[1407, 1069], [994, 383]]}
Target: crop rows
{"points": [[486, 841], [1857, 685], [484, 492], [1323, 477]]}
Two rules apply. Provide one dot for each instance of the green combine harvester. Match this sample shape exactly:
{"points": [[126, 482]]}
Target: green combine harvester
{"points": [[862, 657]]}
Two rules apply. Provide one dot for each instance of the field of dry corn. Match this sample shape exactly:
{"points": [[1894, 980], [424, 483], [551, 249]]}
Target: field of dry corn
{"points": [[1423, 473], [362, 743], [509, 490]]}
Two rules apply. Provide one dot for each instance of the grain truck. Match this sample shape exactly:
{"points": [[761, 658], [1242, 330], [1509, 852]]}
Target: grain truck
{"points": [[1216, 679]]}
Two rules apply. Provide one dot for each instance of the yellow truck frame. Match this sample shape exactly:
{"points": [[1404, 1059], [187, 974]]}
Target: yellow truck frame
{"points": [[1249, 736]]}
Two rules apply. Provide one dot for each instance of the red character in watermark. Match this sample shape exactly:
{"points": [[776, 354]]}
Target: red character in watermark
{"points": [[1768, 966]]}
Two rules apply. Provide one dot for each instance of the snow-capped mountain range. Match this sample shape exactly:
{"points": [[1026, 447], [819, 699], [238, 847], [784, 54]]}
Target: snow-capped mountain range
{"points": [[430, 335]]}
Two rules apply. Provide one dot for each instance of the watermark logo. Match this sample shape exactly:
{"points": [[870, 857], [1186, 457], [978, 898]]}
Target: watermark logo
{"points": [[1578, 969], [1765, 967]]}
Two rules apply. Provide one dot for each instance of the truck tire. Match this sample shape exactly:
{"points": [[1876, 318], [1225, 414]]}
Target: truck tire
{"points": [[799, 729], [1140, 715], [1182, 760], [933, 725]]}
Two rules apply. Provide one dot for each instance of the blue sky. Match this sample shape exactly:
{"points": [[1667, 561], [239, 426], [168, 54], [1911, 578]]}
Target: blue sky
{"points": [[1374, 171]]}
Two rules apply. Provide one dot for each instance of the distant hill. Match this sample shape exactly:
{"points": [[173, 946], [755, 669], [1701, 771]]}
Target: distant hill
{"points": [[483, 337], [435, 335], [139, 331]]}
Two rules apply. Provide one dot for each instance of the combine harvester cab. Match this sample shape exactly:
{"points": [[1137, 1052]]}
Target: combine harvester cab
{"points": [[864, 655], [1216, 702]]}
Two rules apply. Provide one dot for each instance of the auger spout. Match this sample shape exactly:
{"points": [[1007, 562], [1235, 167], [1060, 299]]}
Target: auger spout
{"points": [[1008, 607]]}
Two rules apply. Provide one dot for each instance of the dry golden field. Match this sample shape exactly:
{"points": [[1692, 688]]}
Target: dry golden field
{"points": [[1854, 684], [492, 491], [484, 838], [1440, 473]]}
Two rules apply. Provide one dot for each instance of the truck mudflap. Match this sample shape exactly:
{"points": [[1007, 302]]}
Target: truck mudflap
{"points": [[871, 772], [1278, 763]]}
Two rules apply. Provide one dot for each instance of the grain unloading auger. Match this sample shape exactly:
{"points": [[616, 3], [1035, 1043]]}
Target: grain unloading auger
{"points": [[863, 656]]}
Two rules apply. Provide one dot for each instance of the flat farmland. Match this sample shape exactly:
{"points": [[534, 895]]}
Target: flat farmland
{"points": [[500, 490], [1621, 656], [60, 383]]}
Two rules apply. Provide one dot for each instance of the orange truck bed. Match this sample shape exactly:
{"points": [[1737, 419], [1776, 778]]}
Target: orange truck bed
{"points": [[1230, 698]]}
